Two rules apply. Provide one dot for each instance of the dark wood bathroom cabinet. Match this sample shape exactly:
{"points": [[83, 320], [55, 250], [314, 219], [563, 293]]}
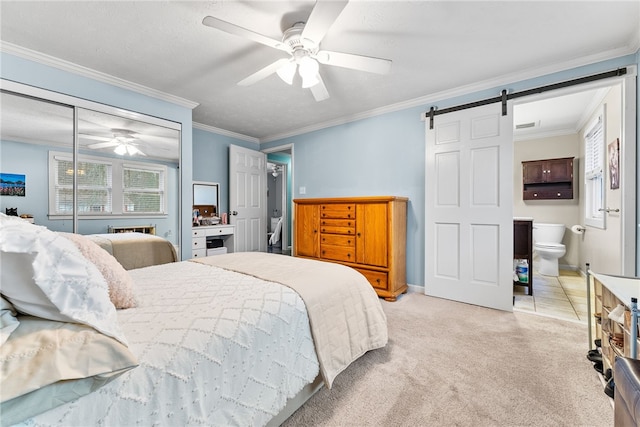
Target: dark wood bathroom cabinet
{"points": [[547, 179]]}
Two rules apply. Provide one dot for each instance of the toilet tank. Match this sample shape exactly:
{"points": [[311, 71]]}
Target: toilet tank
{"points": [[548, 233]]}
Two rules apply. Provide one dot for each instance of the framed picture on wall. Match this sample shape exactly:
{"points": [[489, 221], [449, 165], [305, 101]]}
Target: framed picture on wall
{"points": [[12, 184], [614, 164]]}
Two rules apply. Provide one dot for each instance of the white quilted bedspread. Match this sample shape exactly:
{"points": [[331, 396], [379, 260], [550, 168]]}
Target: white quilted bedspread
{"points": [[215, 347]]}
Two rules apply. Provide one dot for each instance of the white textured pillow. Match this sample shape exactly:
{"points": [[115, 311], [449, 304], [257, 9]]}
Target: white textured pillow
{"points": [[8, 321], [45, 275], [120, 283]]}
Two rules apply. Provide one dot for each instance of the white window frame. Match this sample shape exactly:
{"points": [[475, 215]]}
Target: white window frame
{"points": [[117, 186], [594, 176]]}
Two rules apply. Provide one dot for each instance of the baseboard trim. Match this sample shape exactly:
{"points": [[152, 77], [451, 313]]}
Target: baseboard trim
{"points": [[415, 289]]}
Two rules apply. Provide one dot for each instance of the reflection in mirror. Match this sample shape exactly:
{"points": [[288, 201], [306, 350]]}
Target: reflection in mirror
{"points": [[205, 203], [29, 128], [128, 166]]}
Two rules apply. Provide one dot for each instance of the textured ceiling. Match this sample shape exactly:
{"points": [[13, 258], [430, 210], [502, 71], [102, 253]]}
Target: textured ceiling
{"points": [[435, 46]]}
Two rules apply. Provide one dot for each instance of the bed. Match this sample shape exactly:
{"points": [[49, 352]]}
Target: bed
{"points": [[136, 250], [236, 339]]}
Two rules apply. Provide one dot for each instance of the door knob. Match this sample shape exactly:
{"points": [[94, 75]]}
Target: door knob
{"points": [[234, 213]]}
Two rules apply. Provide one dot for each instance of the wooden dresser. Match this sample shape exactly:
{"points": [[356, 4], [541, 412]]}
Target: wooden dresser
{"points": [[366, 233]]}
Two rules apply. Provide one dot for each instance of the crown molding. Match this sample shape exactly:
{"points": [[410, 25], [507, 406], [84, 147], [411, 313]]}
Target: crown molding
{"points": [[503, 80], [224, 132], [70, 67], [543, 135]]}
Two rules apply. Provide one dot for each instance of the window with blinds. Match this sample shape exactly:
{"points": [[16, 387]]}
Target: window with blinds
{"points": [[143, 190], [94, 187], [106, 186], [594, 172]]}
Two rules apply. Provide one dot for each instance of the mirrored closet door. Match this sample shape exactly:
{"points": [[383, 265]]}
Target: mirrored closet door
{"points": [[126, 166]]}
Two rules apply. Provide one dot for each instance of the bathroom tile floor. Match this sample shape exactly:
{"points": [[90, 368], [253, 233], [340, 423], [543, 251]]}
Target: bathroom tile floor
{"points": [[563, 297]]}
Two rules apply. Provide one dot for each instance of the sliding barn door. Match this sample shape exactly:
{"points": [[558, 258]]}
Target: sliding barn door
{"points": [[248, 198], [469, 192]]}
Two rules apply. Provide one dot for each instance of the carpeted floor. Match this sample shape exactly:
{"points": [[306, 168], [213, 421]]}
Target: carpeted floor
{"points": [[454, 364]]}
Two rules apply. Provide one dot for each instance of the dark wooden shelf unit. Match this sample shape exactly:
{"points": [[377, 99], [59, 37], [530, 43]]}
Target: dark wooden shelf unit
{"points": [[523, 248], [547, 179]]}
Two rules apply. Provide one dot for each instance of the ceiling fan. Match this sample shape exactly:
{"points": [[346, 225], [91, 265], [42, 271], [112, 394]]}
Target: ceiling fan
{"points": [[302, 43], [123, 141]]}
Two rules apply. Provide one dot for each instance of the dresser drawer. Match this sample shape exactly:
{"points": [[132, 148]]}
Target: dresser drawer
{"points": [[330, 229], [219, 231], [337, 253], [198, 232], [199, 253], [338, 210], [338, 222], [378, 279], [337, 240], [199, 243]]}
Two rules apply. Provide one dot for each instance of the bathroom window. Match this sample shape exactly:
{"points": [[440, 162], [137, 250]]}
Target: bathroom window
{"points": [[594, 172]]}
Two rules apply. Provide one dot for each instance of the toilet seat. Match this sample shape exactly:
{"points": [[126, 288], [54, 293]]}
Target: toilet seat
{"points": [[544, 245]]}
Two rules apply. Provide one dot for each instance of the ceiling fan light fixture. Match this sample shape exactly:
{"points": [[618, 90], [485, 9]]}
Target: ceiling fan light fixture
{"points": [[308, 70], [287, 72], [120, 149], [132, 150]]}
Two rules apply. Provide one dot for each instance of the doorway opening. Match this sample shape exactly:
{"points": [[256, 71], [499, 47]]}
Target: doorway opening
{"points": [[279, 200], [553, 126]]}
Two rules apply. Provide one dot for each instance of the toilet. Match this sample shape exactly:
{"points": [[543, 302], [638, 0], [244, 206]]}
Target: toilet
{"points": [[547, 244]]}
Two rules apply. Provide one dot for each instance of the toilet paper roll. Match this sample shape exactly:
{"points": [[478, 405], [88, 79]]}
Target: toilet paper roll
{"points": [[577, 229]]}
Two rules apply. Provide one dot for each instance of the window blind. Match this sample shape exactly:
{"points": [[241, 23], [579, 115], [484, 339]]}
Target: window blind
{"points": [[143, 190], [594, 149], [94, 187]]}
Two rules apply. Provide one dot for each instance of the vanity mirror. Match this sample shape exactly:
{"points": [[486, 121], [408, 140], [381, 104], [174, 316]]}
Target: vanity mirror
{"points": [[206, 201]]}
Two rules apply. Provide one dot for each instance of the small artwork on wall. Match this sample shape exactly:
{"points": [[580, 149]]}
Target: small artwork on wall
{"points": [[12, 184], [614, 164]]}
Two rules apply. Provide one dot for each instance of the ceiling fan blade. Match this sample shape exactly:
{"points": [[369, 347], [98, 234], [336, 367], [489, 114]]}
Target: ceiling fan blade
{"points": [[103, 145], [236, 30], [355, 62], [322, 16], [263, 73], [95, 137], [319, 90]]}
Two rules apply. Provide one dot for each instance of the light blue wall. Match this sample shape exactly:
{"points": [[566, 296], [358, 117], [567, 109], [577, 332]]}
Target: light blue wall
{"points": [[211, 160], [385, 155], [46, 77], [378, 156]]}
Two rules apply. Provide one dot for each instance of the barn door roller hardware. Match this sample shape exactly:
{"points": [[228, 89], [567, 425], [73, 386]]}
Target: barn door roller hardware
{"points": [[505, 96]]}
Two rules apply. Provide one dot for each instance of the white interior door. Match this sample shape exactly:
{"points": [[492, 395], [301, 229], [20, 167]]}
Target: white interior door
{"points": [[248, 198], [469, 207]]}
